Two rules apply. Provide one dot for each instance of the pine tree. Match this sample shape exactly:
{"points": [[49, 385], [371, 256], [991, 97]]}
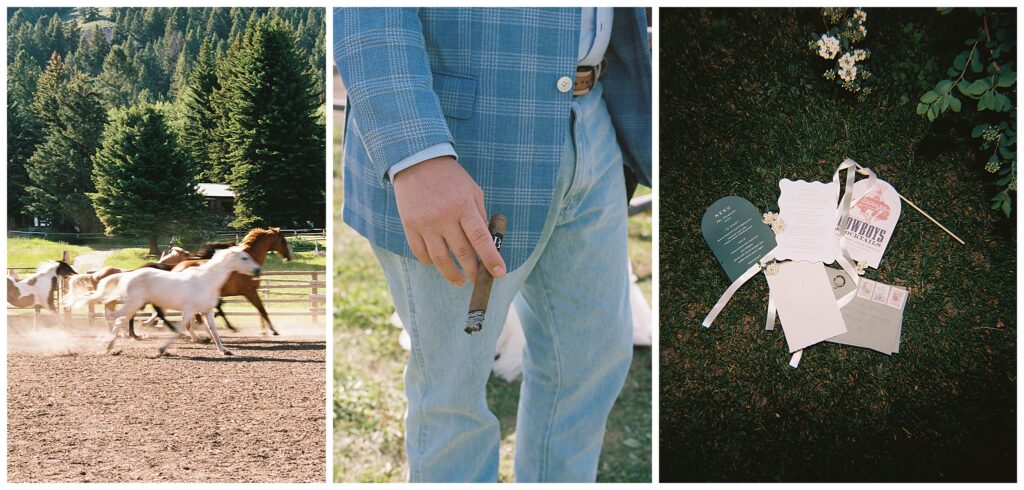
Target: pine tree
{"points": [[24, 129], [88, 14], [144, 186], [60, 168], [117, 81], [45, 102], [199, 117], [94, 48], [272, 128]]}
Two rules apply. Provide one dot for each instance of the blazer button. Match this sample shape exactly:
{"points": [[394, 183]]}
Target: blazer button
{"points": [[564, 84]]}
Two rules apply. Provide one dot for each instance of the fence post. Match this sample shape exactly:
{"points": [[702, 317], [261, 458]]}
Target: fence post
{"points": [[63, 289], [312, 298]]}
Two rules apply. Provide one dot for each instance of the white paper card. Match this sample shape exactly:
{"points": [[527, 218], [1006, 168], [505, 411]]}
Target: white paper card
{"points": [[873, 218], [807, 308], [808, 210]]}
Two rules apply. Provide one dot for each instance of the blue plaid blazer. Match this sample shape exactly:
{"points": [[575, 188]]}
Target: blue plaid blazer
{"points": [[484, 80]]}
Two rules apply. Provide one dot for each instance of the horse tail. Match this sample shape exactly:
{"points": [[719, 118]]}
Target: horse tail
{"points": [[105, 291]]}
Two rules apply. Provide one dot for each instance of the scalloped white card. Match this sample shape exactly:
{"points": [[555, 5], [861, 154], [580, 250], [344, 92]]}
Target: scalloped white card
{"points": [[808, 210]]}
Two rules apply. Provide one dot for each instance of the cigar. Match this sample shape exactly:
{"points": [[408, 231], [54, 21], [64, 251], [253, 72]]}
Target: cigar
{"points": [[484, 279]]}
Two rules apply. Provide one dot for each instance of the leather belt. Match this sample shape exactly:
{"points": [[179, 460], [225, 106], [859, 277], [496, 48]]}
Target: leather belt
{"points": [[587, 77]]}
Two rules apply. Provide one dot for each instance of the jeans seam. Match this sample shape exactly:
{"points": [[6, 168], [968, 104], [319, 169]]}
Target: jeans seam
{"points": [[558, 374], [414, 470]]}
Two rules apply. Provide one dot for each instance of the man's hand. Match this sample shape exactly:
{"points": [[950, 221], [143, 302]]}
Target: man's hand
{"points": [[442, 208]]}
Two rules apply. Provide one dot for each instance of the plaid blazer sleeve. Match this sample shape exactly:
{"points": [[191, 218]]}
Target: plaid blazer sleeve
{"points": [[382, 59]]}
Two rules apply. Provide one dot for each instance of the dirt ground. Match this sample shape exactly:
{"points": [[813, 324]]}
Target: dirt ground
{"points": [[77, 415]]}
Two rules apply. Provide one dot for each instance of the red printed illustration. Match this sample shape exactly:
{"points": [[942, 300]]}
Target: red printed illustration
{"points": [[873, 207]]}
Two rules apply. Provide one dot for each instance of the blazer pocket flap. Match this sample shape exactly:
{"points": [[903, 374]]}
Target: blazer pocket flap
{"points": [[457, 94]]}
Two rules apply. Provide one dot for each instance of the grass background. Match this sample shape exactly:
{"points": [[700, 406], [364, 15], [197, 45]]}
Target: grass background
{"points": [[743, 105], [369, 400]]}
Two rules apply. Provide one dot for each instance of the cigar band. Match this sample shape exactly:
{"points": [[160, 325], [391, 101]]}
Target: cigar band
{"points": [[498, 237]]}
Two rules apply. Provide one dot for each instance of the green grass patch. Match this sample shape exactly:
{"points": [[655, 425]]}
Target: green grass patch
{"points": [[744, 104], [30, 252]]}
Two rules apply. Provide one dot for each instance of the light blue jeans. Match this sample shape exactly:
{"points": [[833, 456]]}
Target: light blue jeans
{"points": [[575, 313]]}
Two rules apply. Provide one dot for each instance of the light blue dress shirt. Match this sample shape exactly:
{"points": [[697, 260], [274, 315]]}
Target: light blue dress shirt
{"points": [[595, 33]]}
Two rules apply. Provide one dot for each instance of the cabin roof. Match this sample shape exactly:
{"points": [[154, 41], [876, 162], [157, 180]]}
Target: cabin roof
{"points": [[215, 190]]}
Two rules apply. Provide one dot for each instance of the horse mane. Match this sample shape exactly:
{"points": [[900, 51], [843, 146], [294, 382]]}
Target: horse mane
{"points": [[255, 234], [207, 250]]}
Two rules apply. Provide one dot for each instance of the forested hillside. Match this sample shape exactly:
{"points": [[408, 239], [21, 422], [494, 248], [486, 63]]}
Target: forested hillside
{"points": [[235, 95]]}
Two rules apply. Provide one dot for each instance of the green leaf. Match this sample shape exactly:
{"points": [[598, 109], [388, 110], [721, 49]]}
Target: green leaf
{"points": [[922, 108], [1006, 153], [1004, 180], [954, 103], [944, 103], [961, 61], [976, 65], [933, 112], [1006, 206], [978, 87], [976, 132], [963, 86], [943, 86], [987, 101], [929, 97], [1003, 103]]}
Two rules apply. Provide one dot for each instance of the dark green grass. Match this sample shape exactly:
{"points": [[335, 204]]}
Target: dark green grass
{"points": [[744, 105]]}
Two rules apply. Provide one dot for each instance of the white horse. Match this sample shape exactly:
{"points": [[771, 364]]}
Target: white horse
{"points": [[195, 291], [80, 284], [37, 290]]}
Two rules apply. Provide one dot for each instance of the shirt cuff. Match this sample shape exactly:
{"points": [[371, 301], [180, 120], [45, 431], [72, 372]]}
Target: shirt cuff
{"points": [[438, 150]]}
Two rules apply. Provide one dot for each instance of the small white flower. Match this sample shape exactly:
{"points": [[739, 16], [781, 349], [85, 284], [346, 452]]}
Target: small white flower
{"points": [[847, 60], [860, 15], [828, 47], [860, 55], [778, 226], [769, 218], [862, 30], [861, 267], [848, 74], [771, 269]]}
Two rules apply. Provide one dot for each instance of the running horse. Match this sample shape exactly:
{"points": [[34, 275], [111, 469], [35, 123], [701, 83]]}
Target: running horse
{"points": [[258, 243], [37, 290]]}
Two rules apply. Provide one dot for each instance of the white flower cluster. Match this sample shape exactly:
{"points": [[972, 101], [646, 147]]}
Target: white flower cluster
{"points": [[828, 47], [836, 44], [778, 226], [848, 67]]}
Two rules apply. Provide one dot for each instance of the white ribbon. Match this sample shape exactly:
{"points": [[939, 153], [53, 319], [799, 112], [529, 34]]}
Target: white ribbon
{"points": [[727, 295], [769, 323], [795, 360]]}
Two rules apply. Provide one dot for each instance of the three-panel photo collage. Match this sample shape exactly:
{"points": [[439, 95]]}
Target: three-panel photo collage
{"points": [[348, 244]]}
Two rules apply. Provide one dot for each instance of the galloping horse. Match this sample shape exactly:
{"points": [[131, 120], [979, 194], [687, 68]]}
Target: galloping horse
{"points": [[82, 283], [37, 290], [193, 292], [258, 242]]}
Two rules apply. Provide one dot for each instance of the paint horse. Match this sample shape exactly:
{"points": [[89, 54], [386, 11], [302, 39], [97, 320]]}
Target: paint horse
{"points": [[37, 290], [194, 292], [258, 243]]}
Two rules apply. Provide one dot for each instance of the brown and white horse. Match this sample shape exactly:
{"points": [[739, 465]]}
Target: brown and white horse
{"points": [[37, 290]]}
